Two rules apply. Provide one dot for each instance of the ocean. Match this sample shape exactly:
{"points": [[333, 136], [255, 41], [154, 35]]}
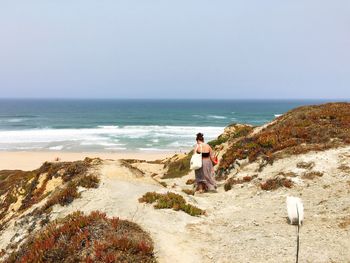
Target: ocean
{"points": [[126, 125]]}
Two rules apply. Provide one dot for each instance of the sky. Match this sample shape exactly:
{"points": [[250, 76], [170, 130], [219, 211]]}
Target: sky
{"points": [[243, 49]]}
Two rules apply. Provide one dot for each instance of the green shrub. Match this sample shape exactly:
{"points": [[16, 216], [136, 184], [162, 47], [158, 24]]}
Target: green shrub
{"points": [[220, 140], [179, 167], [172, 201]]}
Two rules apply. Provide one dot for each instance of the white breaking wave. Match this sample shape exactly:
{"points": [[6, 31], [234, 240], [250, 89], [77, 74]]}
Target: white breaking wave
{"points": [[154, 149], [116, 148], [56, 148], [106, 137], [25, 148], [14, 120], [108, 126], [102, 143], [178, 144], [216, 117], [278, 115]]}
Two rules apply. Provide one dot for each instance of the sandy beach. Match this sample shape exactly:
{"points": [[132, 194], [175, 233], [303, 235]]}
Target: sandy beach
{"points": [[32, 160]]}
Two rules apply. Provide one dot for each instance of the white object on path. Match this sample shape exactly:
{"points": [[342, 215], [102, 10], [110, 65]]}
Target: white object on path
{"points": [[295, 210]]}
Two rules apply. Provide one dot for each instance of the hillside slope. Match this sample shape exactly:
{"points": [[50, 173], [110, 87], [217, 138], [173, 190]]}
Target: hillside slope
{"points": [[244, 222], [298, 131]]}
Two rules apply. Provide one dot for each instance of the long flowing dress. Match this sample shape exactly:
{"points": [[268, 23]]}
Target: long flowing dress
{"points": [[205, 175]]}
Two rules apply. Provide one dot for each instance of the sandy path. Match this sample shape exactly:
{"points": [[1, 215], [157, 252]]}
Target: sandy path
{"points": [[118, 196], [247, 224], [244, 224]]}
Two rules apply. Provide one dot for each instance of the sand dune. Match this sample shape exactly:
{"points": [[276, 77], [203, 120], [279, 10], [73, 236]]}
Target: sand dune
{"points": [[245, 224]]}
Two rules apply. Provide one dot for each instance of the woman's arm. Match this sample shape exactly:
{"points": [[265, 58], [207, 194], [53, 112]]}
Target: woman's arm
{"points": [[213, 158], [211, 154]]}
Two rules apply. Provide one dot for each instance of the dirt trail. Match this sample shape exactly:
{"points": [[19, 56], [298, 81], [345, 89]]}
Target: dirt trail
{"points": [[118, 196], [245, 224]]}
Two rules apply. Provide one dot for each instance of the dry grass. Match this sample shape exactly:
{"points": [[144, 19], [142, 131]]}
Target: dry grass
{"points": [[14, 183], [69, 192], [86, 238], [63, 197], [172, 201], [25, 184], [190, 181], [344, 168], [164, 184], [188, 191], [345, 222], [275, 183], [306, 165], [134, 170], [178, 168], [288, 174], [298, 131], [312, 175], [88, 181], [234, 181]]}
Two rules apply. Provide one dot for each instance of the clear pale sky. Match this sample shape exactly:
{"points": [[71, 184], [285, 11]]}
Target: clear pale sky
{"points": [[175, 49]]}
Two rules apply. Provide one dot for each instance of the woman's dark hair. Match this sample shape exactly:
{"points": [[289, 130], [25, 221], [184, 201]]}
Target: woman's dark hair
{"points": [[200, 137]]}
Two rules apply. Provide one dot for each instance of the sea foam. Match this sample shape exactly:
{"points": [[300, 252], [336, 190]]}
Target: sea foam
{"points": [[216, 117], [107, 137]]}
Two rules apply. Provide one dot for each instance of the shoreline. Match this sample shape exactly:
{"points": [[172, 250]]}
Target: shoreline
{"points": [[31, 160]]}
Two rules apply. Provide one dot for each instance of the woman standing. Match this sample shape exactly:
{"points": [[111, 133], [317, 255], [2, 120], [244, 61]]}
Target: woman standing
{"points": [[205, 175]]}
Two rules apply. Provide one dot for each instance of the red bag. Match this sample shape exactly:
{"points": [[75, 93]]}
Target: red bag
{"points": [[215, 159]]}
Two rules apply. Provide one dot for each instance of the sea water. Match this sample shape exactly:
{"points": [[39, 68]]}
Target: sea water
{"points": [[126, 125]]}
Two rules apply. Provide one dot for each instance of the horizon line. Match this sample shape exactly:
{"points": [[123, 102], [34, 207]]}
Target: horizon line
{"points": [[186, 99]]}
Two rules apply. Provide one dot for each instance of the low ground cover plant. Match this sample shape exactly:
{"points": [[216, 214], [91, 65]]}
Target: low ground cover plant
{"points": [[86, 238], [30, 186], [304, 129], [172, 201], [275, 183]]}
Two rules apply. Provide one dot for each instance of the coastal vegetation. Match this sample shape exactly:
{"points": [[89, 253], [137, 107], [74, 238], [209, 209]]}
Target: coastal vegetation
{"points": [[20, 190], [190, 181], [68, 193], [76, 237], [86, 238], [133, 169], [171, 201], [304, 129], [177, 166], [312, 175], [233, 181], [31, 200], [275, 183], [188, 191]]}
